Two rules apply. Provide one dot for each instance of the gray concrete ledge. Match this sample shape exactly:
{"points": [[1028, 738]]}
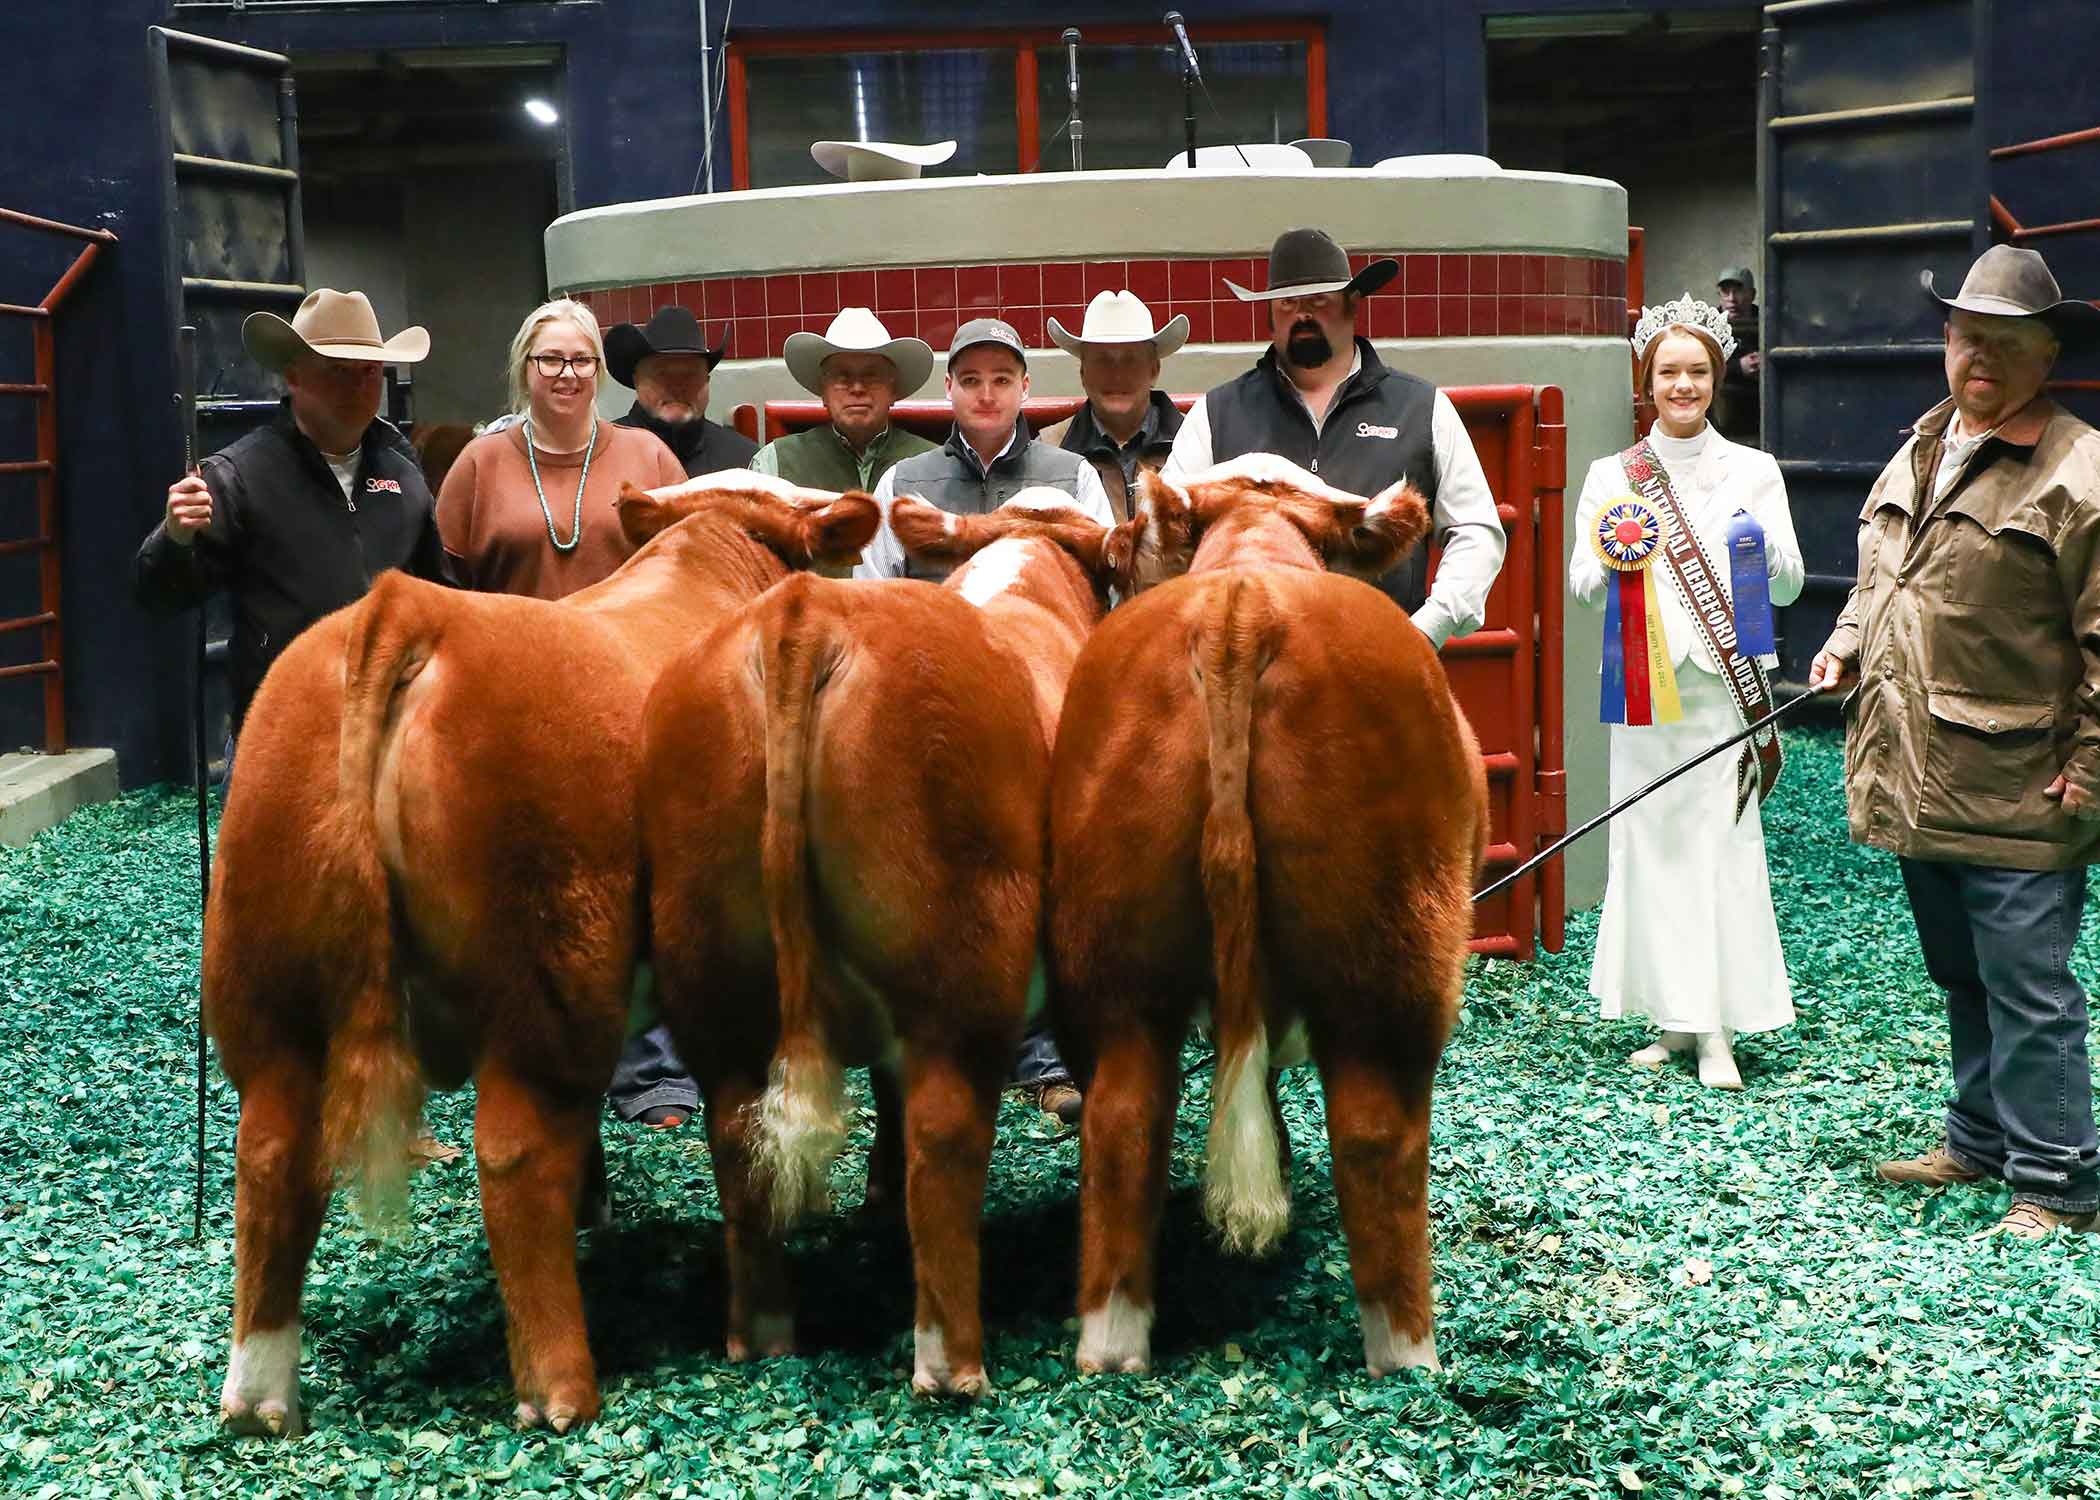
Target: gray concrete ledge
{"points": [[39, 791]]}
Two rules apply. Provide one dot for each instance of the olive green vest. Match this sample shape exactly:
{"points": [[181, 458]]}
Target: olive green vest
{"points": [[819, 458]]}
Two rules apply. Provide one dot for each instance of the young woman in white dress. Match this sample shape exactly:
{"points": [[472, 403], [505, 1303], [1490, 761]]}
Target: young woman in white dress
{"points": [[1687, 937]]}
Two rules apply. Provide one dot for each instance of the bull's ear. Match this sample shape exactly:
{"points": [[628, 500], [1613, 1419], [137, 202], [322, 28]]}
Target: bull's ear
{"points": [[834, 534], [1391, 523], [927, 531], [1119, 545], [1161, 497], [643, 513]]}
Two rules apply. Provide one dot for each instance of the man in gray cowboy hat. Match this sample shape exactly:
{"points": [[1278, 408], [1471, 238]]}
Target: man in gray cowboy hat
{"points": [[1323, 399], [1972, 741], [1127, 422], [859, 372], [297, 518], [668, 365]]}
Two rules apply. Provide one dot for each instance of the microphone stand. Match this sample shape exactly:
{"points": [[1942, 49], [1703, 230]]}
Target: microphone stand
{"points": [[1071, 40], [1188, 109]]}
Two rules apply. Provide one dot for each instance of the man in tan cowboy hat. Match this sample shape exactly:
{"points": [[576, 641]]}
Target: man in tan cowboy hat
{"points": [[859, 372], [669, 365], [297, 518], [1323, 399], [1127, 423], [1972, 741]]}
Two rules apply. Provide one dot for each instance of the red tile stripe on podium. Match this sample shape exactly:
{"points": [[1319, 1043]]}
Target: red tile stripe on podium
{"points": [[1436, 295]]}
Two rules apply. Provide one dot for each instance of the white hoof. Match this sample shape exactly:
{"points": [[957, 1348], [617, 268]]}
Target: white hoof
{"points": [[261, 1394], [1387, 1350], [933, 1375], [1116, 1338]]}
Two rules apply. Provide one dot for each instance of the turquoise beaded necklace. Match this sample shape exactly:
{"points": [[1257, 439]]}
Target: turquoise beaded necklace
{"points": [[576, 522]]}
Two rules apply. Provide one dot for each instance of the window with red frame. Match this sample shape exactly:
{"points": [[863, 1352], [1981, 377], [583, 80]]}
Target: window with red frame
{"points": [[1001, 96]]}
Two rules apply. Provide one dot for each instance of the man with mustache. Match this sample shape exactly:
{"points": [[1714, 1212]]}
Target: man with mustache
{"points": [[859, 372], [1323, 399], [1971, 644], [669, 367]]}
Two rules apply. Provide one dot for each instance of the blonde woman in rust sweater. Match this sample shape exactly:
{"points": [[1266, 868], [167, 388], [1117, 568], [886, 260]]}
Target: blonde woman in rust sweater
{"points": [[529, 509]]}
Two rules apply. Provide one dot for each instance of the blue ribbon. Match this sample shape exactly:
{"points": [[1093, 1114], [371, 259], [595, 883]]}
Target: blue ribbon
{"points": [[1611, 696], [1752, 587]]}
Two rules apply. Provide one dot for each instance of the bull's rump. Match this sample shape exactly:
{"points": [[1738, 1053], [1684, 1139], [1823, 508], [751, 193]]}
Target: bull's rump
{"points": [[1365, 792], [497, 829], [926, 776]]}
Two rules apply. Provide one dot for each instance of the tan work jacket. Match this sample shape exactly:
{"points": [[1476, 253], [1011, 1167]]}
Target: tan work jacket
{"points": [[1975, 623]]}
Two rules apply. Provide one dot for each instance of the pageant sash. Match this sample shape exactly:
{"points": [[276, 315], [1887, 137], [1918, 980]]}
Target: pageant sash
{"points": [[1699, 586], [1638, 685]]}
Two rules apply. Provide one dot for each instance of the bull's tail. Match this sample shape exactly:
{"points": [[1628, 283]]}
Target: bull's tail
{"points": [[801, 1124], [372, 1091], [1244, 1196]]}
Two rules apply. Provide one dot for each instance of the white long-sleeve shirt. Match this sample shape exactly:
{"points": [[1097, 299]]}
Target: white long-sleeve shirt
{"points": [[1463, 518]]}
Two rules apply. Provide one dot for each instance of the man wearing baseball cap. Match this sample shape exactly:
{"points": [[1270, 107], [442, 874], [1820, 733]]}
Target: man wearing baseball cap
{"points": [[296, 519], [669, 365], [990, 456], [859, 372], [988, 459], [1128, 423], [1737, 413], [1323, 399]]}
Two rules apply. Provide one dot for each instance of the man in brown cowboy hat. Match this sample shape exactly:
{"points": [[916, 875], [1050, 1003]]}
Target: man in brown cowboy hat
{"points": [[668, 365], [859, 372], [1323, 399], [297, 518], [1127, 422], [1972, 742]]}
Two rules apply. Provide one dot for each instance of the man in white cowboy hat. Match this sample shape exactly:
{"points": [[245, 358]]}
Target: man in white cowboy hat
{"points": [[1127, 422], [859, 372], [1972, 743], [669, 365], [297, 518], [1323, 399]]}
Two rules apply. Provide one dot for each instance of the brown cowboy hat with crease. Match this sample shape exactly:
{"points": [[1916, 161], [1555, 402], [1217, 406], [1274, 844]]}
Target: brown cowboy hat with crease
{"points": [[1306, 262], [2009, 281], [338, 325]]}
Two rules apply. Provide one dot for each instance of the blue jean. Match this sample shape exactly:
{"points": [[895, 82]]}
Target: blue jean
{"points": [[649, 1074], [1998, 942], [1039, 1062]]}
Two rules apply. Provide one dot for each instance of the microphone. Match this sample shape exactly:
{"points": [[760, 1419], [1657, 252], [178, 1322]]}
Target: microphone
{"points": [[1181, 35], [1078, 127]]}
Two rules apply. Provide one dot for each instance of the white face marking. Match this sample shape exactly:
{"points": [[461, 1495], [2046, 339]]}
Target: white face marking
{"points": [[1386, 1351], [746, 482], [1116, 1337], [261, 1393], [996, 569]]}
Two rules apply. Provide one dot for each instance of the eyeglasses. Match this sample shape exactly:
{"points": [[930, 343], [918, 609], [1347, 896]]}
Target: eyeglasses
{"points": [[1317, 302], [551, 365]]}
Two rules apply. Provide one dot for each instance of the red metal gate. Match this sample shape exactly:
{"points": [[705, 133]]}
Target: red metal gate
{"points": [[1507, 674], [42, 388]]}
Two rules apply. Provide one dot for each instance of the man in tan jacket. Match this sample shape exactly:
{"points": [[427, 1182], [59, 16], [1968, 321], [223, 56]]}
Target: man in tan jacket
{"points": [[1972, 743]]}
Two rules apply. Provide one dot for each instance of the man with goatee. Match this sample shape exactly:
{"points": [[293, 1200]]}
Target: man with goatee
{"points": [[1323, 399]]}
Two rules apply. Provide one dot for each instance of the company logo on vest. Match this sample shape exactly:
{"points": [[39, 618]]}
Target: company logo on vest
{"points": [[1372, 429]]}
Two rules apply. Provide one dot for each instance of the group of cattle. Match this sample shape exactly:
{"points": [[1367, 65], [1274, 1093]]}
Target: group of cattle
{"points": [[843, 823]]}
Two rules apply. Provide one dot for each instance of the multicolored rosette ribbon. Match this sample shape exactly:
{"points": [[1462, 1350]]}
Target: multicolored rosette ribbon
{"points": [[1638, 685]]}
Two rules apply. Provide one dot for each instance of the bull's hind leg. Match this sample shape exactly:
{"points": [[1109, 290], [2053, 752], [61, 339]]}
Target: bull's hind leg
{"points": [[280, 1195], [950, 1109], [533, 1151], [1125, 1136], [761, 1305], [1378, 1129]]}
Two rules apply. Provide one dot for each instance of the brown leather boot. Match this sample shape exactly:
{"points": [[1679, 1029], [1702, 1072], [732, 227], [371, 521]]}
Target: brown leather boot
{"points": [[2032, 1221], [1936, 1168]]}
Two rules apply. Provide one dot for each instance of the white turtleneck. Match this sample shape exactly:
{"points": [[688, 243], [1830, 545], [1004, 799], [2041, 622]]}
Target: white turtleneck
{"points": [[1680, 457]]}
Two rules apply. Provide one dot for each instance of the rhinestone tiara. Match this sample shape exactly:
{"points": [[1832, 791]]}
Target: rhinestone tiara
{"points": [[1692, 313]]}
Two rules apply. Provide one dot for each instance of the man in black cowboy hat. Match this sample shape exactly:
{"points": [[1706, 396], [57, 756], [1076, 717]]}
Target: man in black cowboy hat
{"points": [[668, 364], [1972, 745], [1323, 399]]}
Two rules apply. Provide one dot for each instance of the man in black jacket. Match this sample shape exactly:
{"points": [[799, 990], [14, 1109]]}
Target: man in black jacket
{"points": [[669, 366], [1323, 399], [297, 519]]}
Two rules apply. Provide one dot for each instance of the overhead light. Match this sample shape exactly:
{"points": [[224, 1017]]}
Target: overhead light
{"points": [[541, 111]]}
